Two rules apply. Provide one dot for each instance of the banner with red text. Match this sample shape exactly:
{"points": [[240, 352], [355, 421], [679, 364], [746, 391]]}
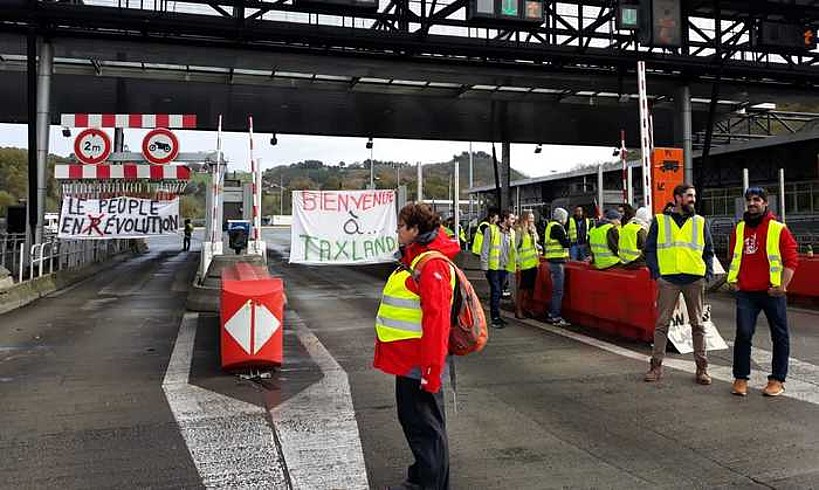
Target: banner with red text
{"points": [[343, 227], [118, 217]]}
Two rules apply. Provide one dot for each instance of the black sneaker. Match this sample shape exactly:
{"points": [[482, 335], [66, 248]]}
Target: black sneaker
{"points": [[498, 324]]}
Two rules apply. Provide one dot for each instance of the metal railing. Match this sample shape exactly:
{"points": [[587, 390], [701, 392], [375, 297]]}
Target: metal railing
{"points": [[54, 255]]}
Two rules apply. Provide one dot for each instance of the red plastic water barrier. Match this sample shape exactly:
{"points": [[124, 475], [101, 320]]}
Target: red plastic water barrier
{"points": [[620, 302], [252, 317], [805, 281]]}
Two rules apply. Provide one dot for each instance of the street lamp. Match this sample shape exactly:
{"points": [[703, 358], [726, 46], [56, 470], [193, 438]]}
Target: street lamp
{"points": [[370, 147]]}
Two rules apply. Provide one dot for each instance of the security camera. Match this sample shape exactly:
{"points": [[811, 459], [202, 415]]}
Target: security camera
{"points": [[370, 144], [273, 140], [66, 132], [616, 152], [538, 148]]}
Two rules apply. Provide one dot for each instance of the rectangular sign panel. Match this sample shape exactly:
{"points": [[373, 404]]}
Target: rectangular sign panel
{"points": [[343, 227], [666, 173], [119, 217]]}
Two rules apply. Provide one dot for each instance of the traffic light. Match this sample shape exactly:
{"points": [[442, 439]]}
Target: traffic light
{"points": [[505, 11], [661, 23], [785, 37]]}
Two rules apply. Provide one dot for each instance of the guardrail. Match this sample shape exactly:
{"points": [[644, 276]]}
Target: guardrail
{"points": [[55, 255]]}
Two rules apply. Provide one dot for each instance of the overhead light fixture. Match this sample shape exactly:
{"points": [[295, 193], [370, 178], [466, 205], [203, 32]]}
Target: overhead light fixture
{"points": [[370, 144], [273, 140], [66, 132], [538, 148]]}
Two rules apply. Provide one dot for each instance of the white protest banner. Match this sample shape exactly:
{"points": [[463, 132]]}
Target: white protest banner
{"points": [[679, 332], [118, 217], [343, 227]]}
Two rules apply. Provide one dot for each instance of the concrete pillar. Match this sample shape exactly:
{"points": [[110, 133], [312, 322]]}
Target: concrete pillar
{"points": [[45, 69], [420, 198], [505, 173], [683, 122], [457, 197]]}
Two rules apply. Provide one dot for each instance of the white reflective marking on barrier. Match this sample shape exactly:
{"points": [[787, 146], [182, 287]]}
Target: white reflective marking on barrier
{"points": [[238, 326], [169, 172], [122, 120], [61, 171], [175, 121], [230, 441], [802, 383], [117, 171], [94, 120], [89, 171], [143, 171], [67, 120], [265, 326], [149, 120]]}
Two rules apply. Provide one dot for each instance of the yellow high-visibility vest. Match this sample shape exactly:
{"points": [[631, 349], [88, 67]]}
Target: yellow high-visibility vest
{"points": [[603, 256], [477, 241], [399, 315], [527, 253], [495, 237], [679, 250], [771, 248], [572, 231], [553, 249], [627, 245]]}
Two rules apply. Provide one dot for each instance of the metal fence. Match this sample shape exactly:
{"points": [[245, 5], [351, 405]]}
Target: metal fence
{"points": [[27, 263]]}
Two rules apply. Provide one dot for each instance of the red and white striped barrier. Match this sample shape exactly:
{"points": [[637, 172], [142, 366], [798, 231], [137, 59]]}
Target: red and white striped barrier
{"points": [[128, 171], [171, 121]]}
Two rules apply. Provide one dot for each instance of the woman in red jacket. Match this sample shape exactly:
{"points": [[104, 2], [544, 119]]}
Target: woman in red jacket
{"points": [[412, 329]]}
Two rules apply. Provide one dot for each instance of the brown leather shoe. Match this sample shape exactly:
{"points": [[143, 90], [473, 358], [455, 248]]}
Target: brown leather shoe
{"points": [[740, 387], [655, 372], [774, 388], [702, 376]]}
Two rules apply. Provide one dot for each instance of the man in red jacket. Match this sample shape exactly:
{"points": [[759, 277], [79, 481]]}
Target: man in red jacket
{"points": [[412, 329], [764, 260]]}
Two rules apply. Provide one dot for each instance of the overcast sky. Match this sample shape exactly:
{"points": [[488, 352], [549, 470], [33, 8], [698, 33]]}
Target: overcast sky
{"points": [[331, 150]]}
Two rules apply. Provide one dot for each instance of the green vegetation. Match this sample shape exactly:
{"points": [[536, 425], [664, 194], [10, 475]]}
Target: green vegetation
{"points": [[14, 179]]}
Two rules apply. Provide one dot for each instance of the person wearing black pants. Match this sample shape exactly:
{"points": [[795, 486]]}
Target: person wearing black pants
{"points": [[422, 418]]}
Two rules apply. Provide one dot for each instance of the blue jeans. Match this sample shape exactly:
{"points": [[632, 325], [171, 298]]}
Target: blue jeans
{"points": [[578, 251], [749, 304], [557, 271], [496, 280]]}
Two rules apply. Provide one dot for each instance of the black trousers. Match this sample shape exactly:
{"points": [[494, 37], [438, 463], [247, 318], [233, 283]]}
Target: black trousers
{"points": [[422, 417]]}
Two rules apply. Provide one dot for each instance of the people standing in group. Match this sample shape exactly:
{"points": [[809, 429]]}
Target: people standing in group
{"points": [[497, 260], [492, 217], [578, 229], [604, 240], [187, 233], [556, 245], [633, 239], [679, 253], [412, 334], [765, 256], [506, 290], [527, 248]]}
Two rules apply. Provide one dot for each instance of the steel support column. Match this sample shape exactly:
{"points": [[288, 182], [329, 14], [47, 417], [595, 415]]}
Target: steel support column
{"points": [[684, 134], [505, 173], [31, 94]]}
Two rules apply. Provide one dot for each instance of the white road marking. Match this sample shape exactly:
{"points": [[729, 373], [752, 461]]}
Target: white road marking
{"points": [[317, 428], [802, 383], [230, 441]]}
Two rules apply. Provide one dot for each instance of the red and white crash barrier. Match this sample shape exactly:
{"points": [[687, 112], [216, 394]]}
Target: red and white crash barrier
{"points": [[126, 172], [171, 121]]}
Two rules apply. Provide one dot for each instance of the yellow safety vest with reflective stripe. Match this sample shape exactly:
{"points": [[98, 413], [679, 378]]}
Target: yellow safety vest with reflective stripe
{"points": [[553, 249], [603, 256], [573, 229], [461, 234], [495, 237], [477, 241], [772, 249], [527, 253], [627, 245], [449, 232], [399, 315], [679, 250]]}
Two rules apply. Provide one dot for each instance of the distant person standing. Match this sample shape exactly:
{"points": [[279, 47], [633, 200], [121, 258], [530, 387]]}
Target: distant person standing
{"points": [[528, 255], [578, 229], [633, 239], [680, 254], [764, 259], [497, 260], [477, 238], [186, 239], [604, 241], [556, 250]]}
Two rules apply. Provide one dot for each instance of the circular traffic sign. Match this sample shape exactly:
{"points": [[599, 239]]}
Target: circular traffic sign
{"points": [[160, 146], [92, 146]]}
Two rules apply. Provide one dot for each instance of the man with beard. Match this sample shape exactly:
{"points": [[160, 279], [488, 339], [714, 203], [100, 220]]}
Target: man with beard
{"points": [[764, 260], [679, 253]]}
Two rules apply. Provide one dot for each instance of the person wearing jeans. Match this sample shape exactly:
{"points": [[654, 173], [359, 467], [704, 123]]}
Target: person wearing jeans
{"points": [[497, 260], [556, 250], [764, 260]]}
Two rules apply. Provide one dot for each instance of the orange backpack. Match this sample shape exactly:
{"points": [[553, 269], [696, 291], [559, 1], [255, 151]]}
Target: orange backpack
{"points": [[468, 332]]}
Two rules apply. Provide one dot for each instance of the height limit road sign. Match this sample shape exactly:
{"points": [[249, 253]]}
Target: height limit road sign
{"points": [[160, 146], [92, 146]]}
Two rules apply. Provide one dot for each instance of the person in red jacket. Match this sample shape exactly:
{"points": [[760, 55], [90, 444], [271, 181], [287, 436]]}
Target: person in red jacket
{"points": [[764, 260], [412, 337]]}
